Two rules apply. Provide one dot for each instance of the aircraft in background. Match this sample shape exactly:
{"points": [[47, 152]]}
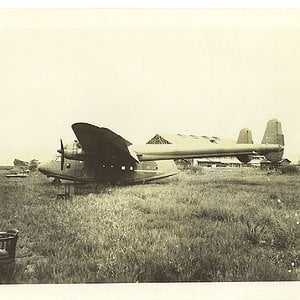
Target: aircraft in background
{"points": [[101, 155]]}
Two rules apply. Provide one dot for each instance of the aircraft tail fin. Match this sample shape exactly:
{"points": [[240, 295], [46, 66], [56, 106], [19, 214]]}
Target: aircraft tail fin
{"points": [[273, 135], [245, 137]]}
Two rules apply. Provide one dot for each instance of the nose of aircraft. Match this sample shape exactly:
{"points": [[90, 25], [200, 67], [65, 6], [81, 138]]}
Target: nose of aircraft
{"points": [[42, 168]]}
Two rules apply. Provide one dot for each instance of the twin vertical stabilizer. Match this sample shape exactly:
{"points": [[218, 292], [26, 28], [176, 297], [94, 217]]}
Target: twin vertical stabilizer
{"points": [[273, 135], [245, 137]]}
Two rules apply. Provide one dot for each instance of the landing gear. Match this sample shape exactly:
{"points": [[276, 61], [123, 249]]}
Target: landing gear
{"points": [[56, 181]]}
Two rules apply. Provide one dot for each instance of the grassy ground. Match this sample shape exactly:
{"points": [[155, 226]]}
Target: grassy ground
{"points": [[214, 225]]}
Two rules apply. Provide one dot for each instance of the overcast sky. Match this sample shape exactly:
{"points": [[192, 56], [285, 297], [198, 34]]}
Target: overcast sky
{"points": [[140, 72]]}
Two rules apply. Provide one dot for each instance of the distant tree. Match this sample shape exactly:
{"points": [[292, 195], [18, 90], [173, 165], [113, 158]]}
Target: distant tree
{"points": [[20, 163], [33, 165], [290, 169]]}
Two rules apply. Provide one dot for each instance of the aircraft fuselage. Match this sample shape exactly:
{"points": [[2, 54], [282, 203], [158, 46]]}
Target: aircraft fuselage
{"points": [[84, 171]]}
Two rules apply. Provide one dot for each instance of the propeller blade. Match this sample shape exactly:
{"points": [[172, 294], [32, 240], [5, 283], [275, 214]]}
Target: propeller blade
{"points": [[62, 151]]}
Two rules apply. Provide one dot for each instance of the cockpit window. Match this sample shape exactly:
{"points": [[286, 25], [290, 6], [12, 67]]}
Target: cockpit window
{"points": [[57, 158]]}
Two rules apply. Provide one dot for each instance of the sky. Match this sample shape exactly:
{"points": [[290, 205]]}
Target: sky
{"points": [[145, 71]]}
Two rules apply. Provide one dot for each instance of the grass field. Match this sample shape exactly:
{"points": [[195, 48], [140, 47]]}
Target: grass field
{"points": [[214, 225]]}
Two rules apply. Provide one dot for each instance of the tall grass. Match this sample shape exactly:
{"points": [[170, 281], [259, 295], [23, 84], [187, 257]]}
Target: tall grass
{"points": [[217, 225]]}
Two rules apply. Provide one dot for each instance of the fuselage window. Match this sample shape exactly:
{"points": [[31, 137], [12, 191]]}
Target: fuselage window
{"points": [[131, 168], [123, 168], [111, 166], [68, 165]]}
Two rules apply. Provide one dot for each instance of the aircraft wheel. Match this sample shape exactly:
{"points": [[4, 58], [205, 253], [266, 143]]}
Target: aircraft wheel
{"points": [[56, 181]]}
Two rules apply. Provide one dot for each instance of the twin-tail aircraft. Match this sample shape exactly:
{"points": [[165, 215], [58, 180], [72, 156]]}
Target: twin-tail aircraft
{"points": [[100, 155]]}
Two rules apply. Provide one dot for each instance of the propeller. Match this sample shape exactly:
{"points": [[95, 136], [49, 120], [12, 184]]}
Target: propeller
{"points": [[62, 152]]}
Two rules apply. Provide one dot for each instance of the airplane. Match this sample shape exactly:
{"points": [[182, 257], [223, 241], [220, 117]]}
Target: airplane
{"points": [[100, 155]]}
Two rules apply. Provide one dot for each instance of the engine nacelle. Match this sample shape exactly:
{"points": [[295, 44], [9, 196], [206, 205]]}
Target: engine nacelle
{"points": [[74, 154], [244, 158], [73, 151]]}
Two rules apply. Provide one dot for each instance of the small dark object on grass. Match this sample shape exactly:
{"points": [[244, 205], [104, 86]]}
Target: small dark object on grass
{"points": [[65, 194], [8, 242]]}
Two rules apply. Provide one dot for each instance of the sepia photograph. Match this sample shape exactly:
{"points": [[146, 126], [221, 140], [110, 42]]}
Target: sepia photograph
{"points": [[149, 146]]}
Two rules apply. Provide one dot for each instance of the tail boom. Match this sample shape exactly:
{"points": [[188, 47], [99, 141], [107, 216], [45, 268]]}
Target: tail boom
{"points": [[169, 151]]}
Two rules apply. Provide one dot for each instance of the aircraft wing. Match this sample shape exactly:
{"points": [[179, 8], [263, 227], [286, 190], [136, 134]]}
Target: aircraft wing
{"points": [[103, 145]]}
